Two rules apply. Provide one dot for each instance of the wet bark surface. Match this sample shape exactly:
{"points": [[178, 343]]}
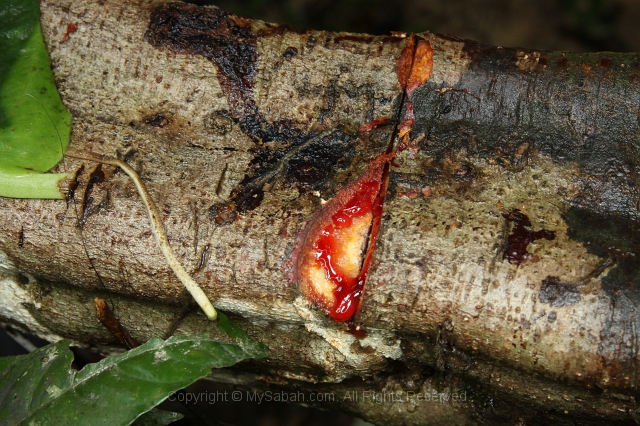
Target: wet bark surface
{"points": [[506, 263]]}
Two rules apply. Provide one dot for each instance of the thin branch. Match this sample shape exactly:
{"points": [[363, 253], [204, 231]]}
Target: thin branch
{"points": [[159, 231]]}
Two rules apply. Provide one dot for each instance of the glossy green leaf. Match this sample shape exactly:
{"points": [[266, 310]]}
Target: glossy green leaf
{"points": [[252, 348], [34, 124], [39, 388], [8, 361]]}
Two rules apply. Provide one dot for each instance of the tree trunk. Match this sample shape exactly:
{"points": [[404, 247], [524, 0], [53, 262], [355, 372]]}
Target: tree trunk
{"points": [[506, 270]]}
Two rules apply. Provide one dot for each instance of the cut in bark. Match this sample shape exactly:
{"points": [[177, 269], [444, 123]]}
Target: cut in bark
{"points": [[506, 265]]}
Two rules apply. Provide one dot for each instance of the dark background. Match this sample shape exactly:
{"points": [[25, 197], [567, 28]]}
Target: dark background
{"points": [[572, 25]]}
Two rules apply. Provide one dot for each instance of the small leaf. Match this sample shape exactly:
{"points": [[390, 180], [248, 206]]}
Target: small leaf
{"points": [[40, 389], [34, 124]]}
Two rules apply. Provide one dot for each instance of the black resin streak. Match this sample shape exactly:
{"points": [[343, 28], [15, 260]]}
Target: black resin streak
{"points": [[73, 186], [97, 176], [229, 42], [281, 147], [576, 109], [521, 236], [558, 293], [219, 36], [314, 163]]}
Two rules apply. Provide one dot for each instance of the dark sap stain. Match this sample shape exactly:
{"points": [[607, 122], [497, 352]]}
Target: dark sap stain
{"points": [[521, 236], [610, 237], [616, 239], [97, 176], [73, 186], [280, 147], [312, 164], [249, 199], [157, 120], [605, 62], [478, 53], [229, 42], [260, 131], [21, 237], [225, 39], [558, 293], [223, 214], [290, 52], [308, 163]]}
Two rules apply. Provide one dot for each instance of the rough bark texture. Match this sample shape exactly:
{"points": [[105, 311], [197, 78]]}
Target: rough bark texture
{"points": [[239, 128]]}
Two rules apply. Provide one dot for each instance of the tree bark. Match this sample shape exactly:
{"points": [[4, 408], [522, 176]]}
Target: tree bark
{"points": [[241, 128]]}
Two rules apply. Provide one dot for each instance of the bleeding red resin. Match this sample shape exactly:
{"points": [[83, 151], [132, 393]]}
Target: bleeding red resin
{"points": [[324, 245], [318, 244], [348, 290]]}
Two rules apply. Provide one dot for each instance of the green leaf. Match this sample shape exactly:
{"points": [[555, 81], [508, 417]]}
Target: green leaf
{"points": [[8, 361], [40, 389], [252, 347], [157, 417], [20, 183], [34, 124]]}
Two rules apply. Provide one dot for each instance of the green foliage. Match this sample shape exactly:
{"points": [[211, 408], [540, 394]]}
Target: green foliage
{"points": [[34, 124], [39, 388], [252, 348]]}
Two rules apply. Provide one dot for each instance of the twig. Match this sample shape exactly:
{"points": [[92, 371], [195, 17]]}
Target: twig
{"points": [[158, 229]]}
